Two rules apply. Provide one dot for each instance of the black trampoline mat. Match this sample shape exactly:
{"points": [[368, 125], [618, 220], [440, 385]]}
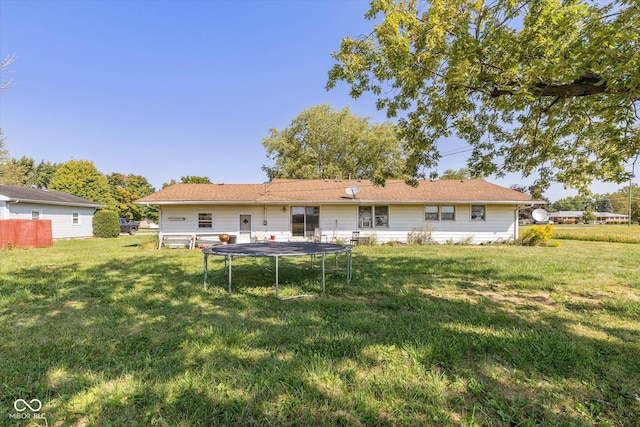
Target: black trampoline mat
{"points": [[276, 249]]}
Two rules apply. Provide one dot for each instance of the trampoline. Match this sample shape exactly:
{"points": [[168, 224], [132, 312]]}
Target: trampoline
{"points": [[276, 250]]}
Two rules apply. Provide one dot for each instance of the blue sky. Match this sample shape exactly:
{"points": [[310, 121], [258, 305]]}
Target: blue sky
{"points": [[169, 88]]}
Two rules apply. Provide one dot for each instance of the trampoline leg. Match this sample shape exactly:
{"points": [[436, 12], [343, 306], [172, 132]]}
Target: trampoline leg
{"points": [[278, 297], [229, 274], [323, 281], [205, 271]]}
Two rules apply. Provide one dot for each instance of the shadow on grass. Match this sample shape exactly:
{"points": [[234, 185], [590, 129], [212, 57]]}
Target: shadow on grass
{"points": [[140, 342]]}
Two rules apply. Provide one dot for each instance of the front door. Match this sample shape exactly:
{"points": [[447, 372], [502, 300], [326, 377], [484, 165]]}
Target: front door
{"points": [[245, 229]]}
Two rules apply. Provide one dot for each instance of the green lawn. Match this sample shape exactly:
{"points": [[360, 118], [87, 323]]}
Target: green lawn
{"points": [[113, 333]]}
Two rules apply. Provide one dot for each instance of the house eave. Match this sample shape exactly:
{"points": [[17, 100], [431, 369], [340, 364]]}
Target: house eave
{"points": [[336, 202], [55, 203]]}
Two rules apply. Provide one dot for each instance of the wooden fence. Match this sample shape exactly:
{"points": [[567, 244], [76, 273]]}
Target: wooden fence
{"points": [[25, 233]]}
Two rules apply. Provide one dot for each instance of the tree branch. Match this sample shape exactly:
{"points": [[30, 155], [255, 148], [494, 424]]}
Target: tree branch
{"points": [[589, 84]]}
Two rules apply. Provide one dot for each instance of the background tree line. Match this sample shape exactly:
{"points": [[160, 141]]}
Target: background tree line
{"points": [[116, 191]]}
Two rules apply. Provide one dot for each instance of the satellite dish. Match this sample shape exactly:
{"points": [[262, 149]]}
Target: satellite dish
{"points": [[540, 215], [352, 191]]}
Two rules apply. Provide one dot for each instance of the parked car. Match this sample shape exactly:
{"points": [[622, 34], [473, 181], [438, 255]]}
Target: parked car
{"points": [[128, 227]]}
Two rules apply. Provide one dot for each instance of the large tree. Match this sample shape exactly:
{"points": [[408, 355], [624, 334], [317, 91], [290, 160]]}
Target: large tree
{"points": [[546, 88], [81, 178], [126, 189], [17, 172], [43, 174], [188, 180], [462, 173], [324, 143], [620, 201]]}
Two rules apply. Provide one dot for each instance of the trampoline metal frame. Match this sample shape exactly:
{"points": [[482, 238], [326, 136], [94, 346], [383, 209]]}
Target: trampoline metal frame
{"points": [[277, 250]]}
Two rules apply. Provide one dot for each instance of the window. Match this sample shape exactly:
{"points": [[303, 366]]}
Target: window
{"points": [[304, 220], [35, 214], [205, 220], [431, 213], [364, 216], [75, 218], [477, 213], [373, 216], [382, 216], [447, 213]]}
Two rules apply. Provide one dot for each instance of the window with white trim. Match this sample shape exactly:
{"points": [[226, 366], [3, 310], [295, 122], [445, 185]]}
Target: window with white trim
{"points": [[431, 213], [373, 216], [478, 213], [205, 219], [75, 218], [36, 215], [447, 213]]}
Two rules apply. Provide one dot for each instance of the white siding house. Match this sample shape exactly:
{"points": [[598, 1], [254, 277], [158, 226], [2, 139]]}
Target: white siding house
{"points": [[473, 211], [71, 216]]}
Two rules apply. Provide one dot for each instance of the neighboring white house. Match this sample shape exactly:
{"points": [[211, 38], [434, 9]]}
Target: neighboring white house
{"points": [[70, 216], [290, 209]]}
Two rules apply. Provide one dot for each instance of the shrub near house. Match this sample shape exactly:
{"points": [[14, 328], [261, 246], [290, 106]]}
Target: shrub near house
{"points": [[105, 224], [536, 235]]}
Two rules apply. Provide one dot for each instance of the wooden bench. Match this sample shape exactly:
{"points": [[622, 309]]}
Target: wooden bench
{"points": [[177, 241], [191, 241]]}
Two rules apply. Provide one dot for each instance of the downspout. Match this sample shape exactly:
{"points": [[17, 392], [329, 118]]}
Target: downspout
{"points": [[8, 212], [516, 229], [160, 227]]}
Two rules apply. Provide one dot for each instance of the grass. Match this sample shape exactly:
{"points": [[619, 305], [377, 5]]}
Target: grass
{"points": [[111, 332], [598, 233]]}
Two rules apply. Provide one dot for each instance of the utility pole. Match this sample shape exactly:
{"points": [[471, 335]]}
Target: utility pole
{"points": [[633, 169]]}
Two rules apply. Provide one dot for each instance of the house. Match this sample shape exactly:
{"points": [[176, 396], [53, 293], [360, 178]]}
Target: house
{"points": [[71, 216], [566, 217], [331, 210], [573, 217]]}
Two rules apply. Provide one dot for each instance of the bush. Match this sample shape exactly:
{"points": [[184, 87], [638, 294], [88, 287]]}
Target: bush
{"points": [[537, 235], [105, 224], [420, 236]]}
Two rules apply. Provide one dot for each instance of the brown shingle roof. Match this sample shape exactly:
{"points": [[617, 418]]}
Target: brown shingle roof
{"points": [[333, 191], [206, 193], [27, 194]]}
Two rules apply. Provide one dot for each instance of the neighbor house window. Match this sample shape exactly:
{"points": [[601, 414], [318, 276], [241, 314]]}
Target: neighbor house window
{"points": [[304, 220], [478, 213], [447, 213], [35, 214], [205, 220], [431, 213], [75, 218], [373, 216]]}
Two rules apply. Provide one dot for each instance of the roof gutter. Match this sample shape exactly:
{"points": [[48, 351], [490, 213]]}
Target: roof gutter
{"points": [[337, 202], [49, 202]]}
